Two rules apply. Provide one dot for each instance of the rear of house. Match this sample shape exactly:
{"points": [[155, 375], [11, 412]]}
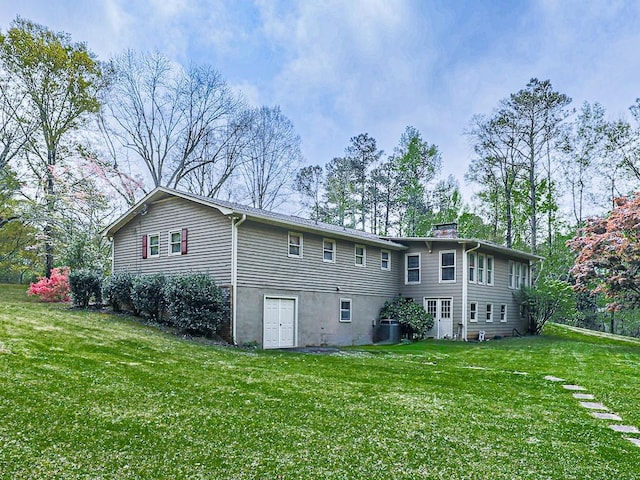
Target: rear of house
{"points": [[292, 282]]}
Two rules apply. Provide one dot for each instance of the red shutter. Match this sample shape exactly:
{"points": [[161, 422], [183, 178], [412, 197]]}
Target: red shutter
{"points": [[144, 246], [183, 242]]}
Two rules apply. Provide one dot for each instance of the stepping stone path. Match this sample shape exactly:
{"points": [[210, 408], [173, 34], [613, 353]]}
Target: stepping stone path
{"points": [[583, 396], [573, 387], [603, 415], [593, 405], [607, 416]]}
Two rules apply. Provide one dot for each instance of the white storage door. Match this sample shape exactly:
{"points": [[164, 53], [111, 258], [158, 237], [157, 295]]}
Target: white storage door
{"points": [[279, 322]]}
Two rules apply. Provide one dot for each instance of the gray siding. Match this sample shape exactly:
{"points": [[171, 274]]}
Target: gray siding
{"points": [[209, 241], [430, 285], [497, 294], [318, 316], [263, 261]]}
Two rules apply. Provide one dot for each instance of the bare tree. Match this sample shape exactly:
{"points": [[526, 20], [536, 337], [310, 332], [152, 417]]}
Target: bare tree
{"points": [[177, 121], [271, 156]]}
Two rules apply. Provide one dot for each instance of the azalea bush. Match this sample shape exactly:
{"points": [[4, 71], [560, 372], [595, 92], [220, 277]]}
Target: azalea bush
{"points": [[52, 289], [413, 318]]}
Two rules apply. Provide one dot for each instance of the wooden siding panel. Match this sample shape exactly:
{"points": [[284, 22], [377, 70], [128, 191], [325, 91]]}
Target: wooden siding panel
{"points": [[263, 262], [209, 241]]}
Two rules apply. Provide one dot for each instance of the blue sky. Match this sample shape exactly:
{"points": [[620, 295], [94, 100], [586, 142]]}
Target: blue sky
{"points": [[338, 69]]}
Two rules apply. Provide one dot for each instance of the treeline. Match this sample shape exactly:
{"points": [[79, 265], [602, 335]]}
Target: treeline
{"points": [[400, 195]]}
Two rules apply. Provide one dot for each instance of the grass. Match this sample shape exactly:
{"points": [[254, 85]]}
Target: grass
{"points": [[88, 395]]}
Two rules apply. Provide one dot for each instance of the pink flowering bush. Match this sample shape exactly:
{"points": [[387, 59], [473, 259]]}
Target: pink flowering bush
{"points": [[54, 289]]}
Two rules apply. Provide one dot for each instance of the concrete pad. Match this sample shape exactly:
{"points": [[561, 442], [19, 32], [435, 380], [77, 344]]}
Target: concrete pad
{"points": [[635, 441], [573, 387], [551, 378], [593, 405], [624, 428], [606, 416], [583, 396]]}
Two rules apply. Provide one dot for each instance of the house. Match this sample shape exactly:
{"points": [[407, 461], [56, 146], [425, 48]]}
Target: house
{"points": [[293, 282]]}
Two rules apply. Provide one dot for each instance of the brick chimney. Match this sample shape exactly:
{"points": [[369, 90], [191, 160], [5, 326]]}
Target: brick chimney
{"points": [[445, 230]]}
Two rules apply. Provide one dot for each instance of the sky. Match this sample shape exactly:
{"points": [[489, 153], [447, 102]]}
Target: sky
{"points": [[341, 68]]}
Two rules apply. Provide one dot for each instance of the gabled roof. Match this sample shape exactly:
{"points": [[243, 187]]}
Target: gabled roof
{"points": [[471, 242], [256, 214]]}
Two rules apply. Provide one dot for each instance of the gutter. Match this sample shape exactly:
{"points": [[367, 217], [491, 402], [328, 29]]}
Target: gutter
{"points": [[465, 286], [235, 223]]}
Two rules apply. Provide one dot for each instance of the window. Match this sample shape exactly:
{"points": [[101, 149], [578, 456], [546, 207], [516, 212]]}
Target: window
{"points": [[489, 270], [473, 312], [178, 242], [518, 275], [412, 270], [471, 259], [503, 313], [481, 259], [385, 260], [295, 244], [489, 316], [448, 266], [153, 245], [361, 255], [328, 250], [512, 268], [345, 309]]}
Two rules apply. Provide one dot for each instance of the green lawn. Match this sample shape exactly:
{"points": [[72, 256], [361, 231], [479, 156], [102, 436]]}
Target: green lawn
{"points": [[85, 395]]}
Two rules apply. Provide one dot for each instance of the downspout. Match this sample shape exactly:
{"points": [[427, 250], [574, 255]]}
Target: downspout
{"points": [[465, 286], [234, 272]]}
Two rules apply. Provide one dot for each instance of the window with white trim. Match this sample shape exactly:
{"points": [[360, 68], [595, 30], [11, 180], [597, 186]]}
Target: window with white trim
{"points": [[153, 242], [385, 260], [473, 312], [448, 266], [360, 252], [503, 313], [489, 315], [481, 260], [518, 277], [412, 268], [471, 260], [489, 275], [345, 310], [295, 245], [525, 275], [512, 271], [178, 242], [328, 250]]}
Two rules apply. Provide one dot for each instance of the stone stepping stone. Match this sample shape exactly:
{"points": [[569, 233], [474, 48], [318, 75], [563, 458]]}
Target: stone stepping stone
{"points": [[551, 378], [635, 441], [520, 373], [573, 387], [583, 396], [624, 428], [593, 405], [607, 416]]}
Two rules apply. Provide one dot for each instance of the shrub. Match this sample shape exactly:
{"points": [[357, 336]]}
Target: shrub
{"points": [[53, 289], [147, 295], [117, 291], [195, 303], [414, 319], [85, 285]]}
